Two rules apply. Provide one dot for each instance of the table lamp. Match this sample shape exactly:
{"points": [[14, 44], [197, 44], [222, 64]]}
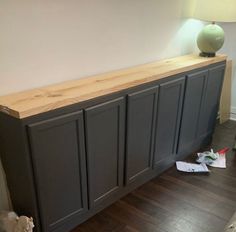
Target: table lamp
{"points": [[211, 38]]}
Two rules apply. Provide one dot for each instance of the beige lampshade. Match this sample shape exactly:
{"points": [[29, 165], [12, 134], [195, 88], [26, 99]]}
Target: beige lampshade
{"points": [[214, 10]]}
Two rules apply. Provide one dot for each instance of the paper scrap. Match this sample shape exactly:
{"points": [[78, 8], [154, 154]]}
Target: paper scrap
{"points": [[190, 167], [220, 162]]}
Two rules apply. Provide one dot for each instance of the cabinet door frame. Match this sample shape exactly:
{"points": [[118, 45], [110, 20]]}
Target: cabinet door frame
{"points": [[178, 81], [89, 112], [33, 130], [204, 106], [183, 149], [132, 97]]}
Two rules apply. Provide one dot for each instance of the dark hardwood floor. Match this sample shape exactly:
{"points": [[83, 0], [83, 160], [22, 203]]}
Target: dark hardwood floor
{"points": [[177, 202]]}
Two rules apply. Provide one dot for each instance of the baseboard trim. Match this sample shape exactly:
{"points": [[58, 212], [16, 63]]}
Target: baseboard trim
{"points": [[233, 117], [233, 114]]}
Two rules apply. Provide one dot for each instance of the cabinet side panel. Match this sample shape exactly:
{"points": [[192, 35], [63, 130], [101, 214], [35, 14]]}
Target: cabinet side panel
{"points": [[18, 167]]}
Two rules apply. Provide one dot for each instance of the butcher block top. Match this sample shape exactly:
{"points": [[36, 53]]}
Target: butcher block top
{"points": [[36, 101]]}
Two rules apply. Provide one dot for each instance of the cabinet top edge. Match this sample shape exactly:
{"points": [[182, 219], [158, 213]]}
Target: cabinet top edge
{"points": [[32, 102]]}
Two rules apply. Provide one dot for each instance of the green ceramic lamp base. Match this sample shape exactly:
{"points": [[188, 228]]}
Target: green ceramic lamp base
{"points": [[210, 40], [205, 54]]}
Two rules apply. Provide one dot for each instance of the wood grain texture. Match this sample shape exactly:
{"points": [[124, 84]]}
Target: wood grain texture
{"points": [[225, 102], [175, 201], [32, 102]]}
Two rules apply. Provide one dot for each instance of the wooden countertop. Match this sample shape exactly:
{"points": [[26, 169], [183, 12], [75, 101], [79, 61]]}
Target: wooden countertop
{"points": [[32, 102]]}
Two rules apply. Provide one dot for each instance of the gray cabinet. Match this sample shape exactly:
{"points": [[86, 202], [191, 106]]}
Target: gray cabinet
{"points": [[194, 93], [105, 137], [168, 120], [210, 104], [64, 166], [60, 170], [153, 127], [201, 103], [142, 107]]}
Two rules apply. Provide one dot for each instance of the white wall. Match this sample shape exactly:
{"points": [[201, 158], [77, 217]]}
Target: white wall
{"points": [[44, 42]]}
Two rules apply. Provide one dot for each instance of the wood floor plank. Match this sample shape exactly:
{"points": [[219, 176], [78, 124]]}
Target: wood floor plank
{"points": [[180, 208], [168, 220], [138, 221], [128, 229], [204, 190]]}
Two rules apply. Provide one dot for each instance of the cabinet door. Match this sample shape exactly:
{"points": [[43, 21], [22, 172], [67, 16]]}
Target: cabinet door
{"points": [[140, 131], [105, 136], [210, 105], [168, 122], [59, 163], [194, 95]]}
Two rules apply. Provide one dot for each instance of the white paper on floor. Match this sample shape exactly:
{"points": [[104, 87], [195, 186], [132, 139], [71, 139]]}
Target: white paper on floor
{"points": [[220, 162], [190, 167], [213, 159]]}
